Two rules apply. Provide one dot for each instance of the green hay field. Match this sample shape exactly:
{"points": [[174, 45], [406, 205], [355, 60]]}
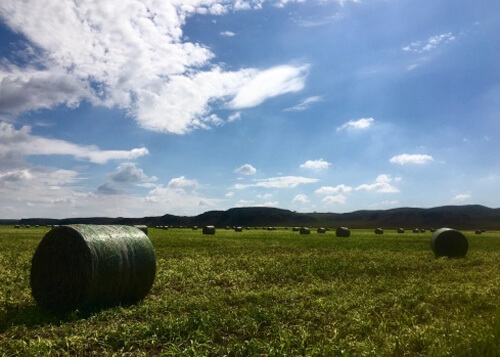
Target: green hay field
{"points": [[273, 293]]}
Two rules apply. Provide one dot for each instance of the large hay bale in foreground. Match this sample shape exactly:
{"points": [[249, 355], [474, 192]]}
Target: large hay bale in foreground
{"points": [[449, 242], [305, 230], [379, 231], [209, 230], [343, 232], [92, 266]]}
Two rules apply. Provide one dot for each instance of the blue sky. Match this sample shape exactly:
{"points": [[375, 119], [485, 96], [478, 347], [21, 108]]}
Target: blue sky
{"points": [[137, 108]]}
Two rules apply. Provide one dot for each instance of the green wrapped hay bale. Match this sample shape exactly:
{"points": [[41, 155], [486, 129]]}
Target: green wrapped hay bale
{"points": [[91, 266], [195, 228], [343, 232], [296, 229], [478, 231], [238, 229], [379, 231], [401, 230], [209, 230], [305, 230], [321, 230], [449, 242], [416, 230]]}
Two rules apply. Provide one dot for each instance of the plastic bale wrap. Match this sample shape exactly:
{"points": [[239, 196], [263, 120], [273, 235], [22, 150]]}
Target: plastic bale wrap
{"points": [[449, 242], [343, 232], [88, 266], [142, 227], [209, 230], [305, 230]]}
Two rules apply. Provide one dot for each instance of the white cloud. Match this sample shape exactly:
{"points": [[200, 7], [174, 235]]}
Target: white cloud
{"points": [[269, 204], [430, 44], [234, 116], [265, 196], [22, 142], [300, 198], [268, 84], [304, 104], [332, 200], [278, 182], [244, 203], [181, 183], [381, 185], [462, 197], [315, 165], [404, 159], [330, 190], [227, 34], [229, 194], [125, 174], [132, 55], [246, 169], [363, 123]]}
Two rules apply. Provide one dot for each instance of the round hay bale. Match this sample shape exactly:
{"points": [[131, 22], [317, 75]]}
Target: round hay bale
{"points": [[483, 230], [478, 231], [432, 230], [90, 266], [343, 232], [416, 230], [16, 226], [401, 230], [27, 226], [296, 229], [238, 229], [321, 230], [195, 228], [379, 231], [142, 228], [270, 228], [422, 230], [305, 230], [449, 242], [209, 230]]}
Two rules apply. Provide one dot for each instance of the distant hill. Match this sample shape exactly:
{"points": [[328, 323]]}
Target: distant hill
{"points": [[459, 217]]}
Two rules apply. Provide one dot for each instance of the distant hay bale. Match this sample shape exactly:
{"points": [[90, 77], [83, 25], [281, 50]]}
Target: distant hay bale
{"points": [[16, 226], [270, 228], [195, 228], [422, 230], [143, 228], [432, 230], [296, 229], [27, 226], [416, 230], [401, 230], [321, 230], [449, 242], [483, 230], [478, 231], [209, 230], [238, 229], [91, 266], [379, 231], [305, 230], [227, 228], [343, 232]]}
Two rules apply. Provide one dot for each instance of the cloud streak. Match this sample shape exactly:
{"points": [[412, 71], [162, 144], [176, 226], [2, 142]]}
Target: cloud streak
{"points": [[404, 159], [278, 182]]}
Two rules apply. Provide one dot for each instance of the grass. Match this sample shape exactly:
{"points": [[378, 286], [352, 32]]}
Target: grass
{"points": [[273, 293]]}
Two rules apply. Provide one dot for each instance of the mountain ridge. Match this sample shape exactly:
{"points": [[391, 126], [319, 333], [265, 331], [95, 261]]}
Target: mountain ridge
{"points": [[459, 217]]}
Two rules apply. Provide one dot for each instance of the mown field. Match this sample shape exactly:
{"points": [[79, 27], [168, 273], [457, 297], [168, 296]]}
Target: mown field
{"points": [[273, 293]]}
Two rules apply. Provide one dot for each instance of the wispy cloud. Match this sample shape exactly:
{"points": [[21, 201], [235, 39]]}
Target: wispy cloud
{"points": [[430, 44], [315, 165], [278, 182], [23, 142], [301, 198], [332, 200], [246, 169], [332, 190], [360, 124], [462, 197], [227, 34], [183, 184], [404, 159], [304, 104], [268, 84], [382, 184]]}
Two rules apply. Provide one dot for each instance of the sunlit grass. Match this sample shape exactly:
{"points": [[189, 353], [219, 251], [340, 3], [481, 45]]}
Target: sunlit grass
{"points": [[273, 293]]}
